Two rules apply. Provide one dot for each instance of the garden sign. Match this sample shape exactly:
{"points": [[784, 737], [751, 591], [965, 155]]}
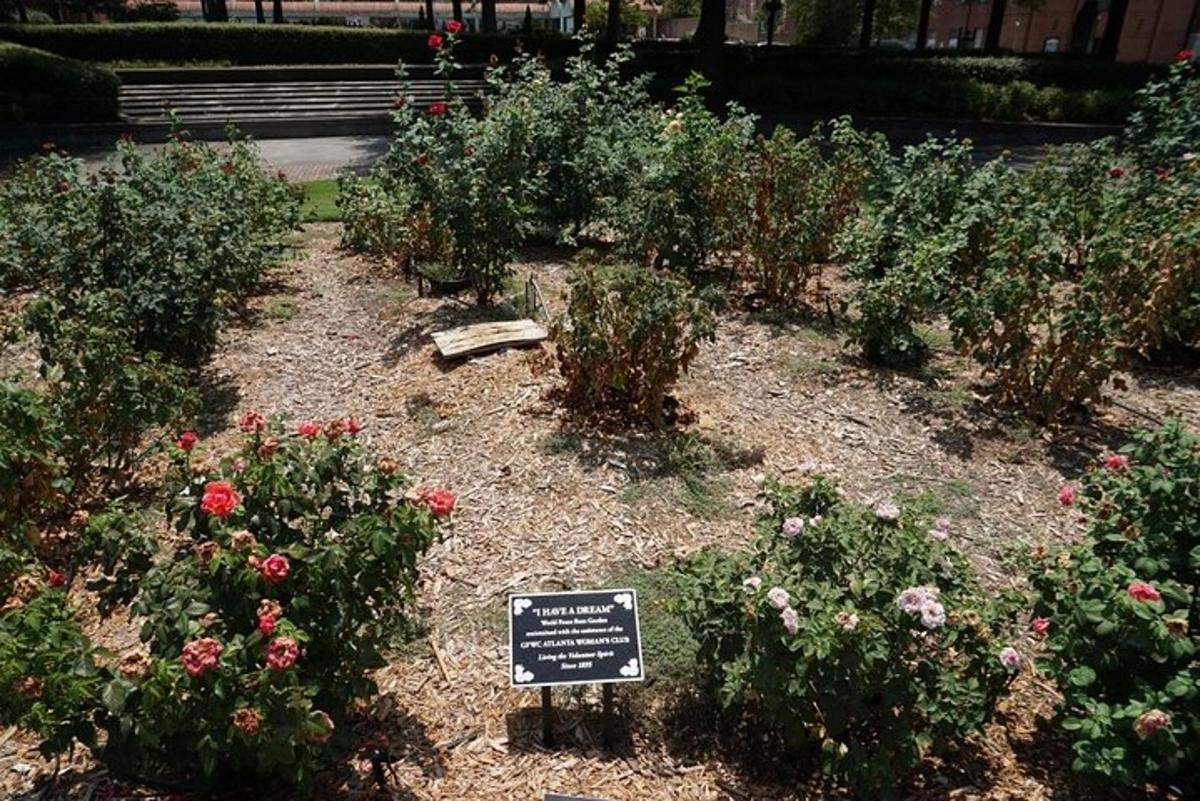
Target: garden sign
{"points": [[565, 638]]}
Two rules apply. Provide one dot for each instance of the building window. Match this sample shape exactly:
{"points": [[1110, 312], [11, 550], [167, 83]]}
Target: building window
{"points": [[1051, 45]]}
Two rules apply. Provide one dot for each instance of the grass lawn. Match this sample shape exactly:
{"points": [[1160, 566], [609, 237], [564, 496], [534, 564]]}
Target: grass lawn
{"points": [[320, 201]]}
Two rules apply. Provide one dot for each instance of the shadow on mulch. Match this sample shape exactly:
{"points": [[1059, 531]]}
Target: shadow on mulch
{"points": [[577, 728], [220, 395]]}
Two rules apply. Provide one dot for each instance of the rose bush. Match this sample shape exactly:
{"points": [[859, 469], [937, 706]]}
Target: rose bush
{"points": [[297, 557], [627, 335], [851, 636], [1118, 614]]}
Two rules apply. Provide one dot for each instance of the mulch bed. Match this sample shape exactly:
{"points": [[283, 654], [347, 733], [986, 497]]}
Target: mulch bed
{"points": [[546, 502]]}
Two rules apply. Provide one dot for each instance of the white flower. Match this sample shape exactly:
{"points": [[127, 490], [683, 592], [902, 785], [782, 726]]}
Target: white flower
{"points": [[778, 597], [1189, 156], [933, 615], [792, 526], [913, 599], [1010, 659], [791, 621], [888, 512], [815, 520], [752, 583], [941, 529], [847, 620]]}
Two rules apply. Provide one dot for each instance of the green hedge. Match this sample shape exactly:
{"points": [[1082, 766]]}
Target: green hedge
{"points": [[36, 86]]}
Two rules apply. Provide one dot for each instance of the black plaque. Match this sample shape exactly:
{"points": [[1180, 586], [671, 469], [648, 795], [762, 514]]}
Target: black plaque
{"points": [[586, 637]]}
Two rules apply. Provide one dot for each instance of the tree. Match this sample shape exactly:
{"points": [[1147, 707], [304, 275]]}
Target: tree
{"points": [[632, 15], [612, 30], [259, 16], [527, 23], [835, 22], [580, 14], [276, 11], [429, 19], [680, 8], [710, 36], [1112, 30], [923, 23], [867, 31], [456, 10], [22, 13], [995, 25], [488, 20]]}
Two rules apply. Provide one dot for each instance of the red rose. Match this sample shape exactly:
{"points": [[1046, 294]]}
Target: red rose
{"points": [[1040, 625], [439, 501], [1184, 55], [1066, 495], [1117, 172], [308, 429], [251, 422], [454, 26], [56, 579], [435, 41], [282, 653], [353, 425], [436, 109], [1143, 592], [1116, 461], [220, 499], [274, 568], [334, 429], [187, 440], [266, 625], [201, 656]]}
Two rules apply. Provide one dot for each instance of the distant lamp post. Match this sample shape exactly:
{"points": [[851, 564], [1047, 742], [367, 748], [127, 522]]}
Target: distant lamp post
{"points": [[772, 7]]}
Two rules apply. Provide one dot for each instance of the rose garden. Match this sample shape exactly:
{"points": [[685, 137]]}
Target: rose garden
{"points": [[897, 445]]}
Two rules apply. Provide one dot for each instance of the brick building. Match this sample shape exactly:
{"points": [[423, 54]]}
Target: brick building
{"points": [[1154, 30]]}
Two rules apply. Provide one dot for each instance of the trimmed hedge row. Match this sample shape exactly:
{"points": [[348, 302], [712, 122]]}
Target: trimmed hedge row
{"points": [[36, 86]]}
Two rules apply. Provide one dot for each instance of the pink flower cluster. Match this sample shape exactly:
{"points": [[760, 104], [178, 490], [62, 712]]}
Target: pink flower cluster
{"points": [[282, 653], [923, 602], [778, 598]]}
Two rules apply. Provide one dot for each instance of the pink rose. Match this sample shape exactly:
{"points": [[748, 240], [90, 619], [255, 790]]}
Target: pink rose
{"points": [[1010, 659], [1040, 625], [282, 653], [274, 568], [778, 597], [266, 625], [220, 499], [791, 622], [200, 656], [1116, 461], [252, 422], [309, 429], [353, 425], [1066, 495], [1150, 722], [1143, 592], [440, 501], [268, 447]]}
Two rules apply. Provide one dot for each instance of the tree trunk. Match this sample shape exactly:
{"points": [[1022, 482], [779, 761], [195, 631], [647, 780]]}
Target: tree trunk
{"points": [[612, 31], [277, 11], [923, 24], [429, 20], [22, 14], [456, 9], [259, 16], [866, 34], [995, 25], [580, 14], [710, 36], [1112, 31], [489, 16]]}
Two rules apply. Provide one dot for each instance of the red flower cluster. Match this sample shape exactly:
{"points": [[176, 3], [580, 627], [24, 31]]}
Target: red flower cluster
{"points": [[200, 656], [274, 568], [454, 26], [252, 422], [187, 440], [220, 499], [439, 501], [282, 653], [308, 429], [436, 109], [1143, 592], [435, 41]]}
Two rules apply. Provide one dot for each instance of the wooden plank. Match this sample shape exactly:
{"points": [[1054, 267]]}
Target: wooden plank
{"points": [[470, 340]]}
